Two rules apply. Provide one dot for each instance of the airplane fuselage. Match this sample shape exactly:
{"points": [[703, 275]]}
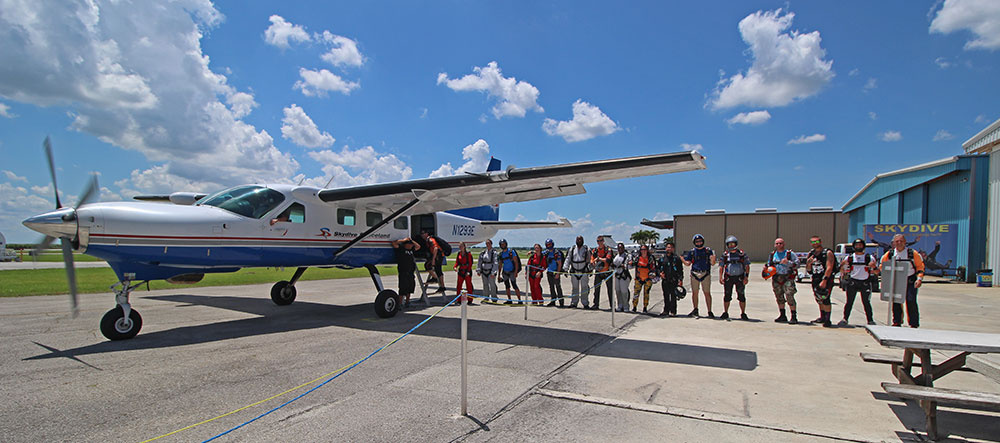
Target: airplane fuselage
{"points": [[149, 241]]}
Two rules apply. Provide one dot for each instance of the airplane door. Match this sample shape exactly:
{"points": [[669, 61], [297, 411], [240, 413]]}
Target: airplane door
{"points": [[420, 223]]}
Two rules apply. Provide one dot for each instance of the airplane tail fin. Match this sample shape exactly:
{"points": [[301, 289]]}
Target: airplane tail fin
{"points": [[482, 213]]}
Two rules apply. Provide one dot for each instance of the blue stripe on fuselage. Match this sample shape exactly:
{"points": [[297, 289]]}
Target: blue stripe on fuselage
{"points": [[157, 262]]}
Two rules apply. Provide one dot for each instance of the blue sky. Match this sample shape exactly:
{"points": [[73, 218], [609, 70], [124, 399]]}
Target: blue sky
{"points": [[794, 104]]}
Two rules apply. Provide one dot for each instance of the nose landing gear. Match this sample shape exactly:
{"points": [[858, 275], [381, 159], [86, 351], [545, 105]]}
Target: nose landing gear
{"points": [[121, 322]]}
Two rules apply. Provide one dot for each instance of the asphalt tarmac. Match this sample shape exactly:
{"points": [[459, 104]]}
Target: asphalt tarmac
{"points": [[560, 375]]}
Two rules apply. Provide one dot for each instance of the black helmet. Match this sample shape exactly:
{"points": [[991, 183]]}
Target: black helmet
{"points": [[680, 292], [697, 237], [503, 241]]}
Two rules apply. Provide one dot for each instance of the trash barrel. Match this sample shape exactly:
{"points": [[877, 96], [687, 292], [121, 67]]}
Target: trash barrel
{"points": [[984, 278]]}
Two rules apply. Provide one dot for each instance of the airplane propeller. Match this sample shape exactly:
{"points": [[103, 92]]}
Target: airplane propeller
{"points": [[63, 223]]}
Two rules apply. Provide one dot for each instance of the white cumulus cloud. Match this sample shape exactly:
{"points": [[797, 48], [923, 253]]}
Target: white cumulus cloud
{"points": [[5, 111], [871, 84], [301, 130], [891, 136], [588, 122], [787, 65], [281, 32], [13, 177], [476, 156], [872, 115], [319, 83], [353, 167], [807, 139], [750, 118], [980, 17], [691, 147], [133, 74], [343, 51], [942, 135], [514, 98]]}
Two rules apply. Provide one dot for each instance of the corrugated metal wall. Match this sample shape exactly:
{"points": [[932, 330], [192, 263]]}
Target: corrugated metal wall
{"points": [[948, 202], [758, 231], [755, 231], [710, 226], [993, 232], [913, 205], [797, 228], [888, 211]]}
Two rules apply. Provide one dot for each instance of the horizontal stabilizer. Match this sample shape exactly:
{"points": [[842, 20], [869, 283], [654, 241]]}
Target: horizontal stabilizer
{"points": [[562, 223]]}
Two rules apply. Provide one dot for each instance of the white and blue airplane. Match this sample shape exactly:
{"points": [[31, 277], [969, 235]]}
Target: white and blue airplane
{"points": [[301, 226]]}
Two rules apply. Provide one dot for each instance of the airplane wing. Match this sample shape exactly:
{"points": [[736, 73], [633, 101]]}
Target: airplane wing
{"points": [[562, 223], [512, 185]]}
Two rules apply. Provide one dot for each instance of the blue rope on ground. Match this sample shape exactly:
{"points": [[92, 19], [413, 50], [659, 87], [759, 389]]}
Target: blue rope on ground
{"points": [[335, 376]]}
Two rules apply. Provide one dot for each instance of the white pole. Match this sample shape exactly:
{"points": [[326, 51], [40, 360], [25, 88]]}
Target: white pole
{"points": [[614, 285], [892, 289], [465, 362]]}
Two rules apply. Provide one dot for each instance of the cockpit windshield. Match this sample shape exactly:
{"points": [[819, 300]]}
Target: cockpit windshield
{"points": [[248, 201]]}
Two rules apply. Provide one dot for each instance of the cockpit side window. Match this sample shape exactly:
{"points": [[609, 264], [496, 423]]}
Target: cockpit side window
{"points": [[295, 213], [248, 201], [345, 217]]}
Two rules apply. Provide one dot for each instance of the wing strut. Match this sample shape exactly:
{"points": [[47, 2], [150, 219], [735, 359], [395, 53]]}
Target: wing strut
{"points": [[377, 226]]}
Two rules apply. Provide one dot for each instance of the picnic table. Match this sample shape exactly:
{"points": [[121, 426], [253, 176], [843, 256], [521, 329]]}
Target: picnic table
{"points": [[972, 348]]}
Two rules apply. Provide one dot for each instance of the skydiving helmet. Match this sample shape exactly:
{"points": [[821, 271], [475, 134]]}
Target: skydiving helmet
{"points": [[680, 292], [549, 242], [697, 237], [732, 239], [503, 242]]}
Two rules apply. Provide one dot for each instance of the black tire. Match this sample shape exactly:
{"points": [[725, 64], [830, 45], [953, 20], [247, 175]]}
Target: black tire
{"points": [[114, 326], [386, 303], [283, 293]]}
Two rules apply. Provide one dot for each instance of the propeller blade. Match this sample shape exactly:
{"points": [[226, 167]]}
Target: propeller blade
{"points": [[67, 250], [42, 245], [52, 169], [88, 192]]}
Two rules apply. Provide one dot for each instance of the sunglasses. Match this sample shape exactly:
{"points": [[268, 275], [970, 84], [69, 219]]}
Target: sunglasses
{"points": [[815, 242]]}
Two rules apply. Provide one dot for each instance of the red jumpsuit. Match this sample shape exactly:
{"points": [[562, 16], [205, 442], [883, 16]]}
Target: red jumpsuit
{"points": [[463, 264], [536, 269]]}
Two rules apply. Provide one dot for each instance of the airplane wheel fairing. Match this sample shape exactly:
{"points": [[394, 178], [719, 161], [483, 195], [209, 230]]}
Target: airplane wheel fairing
{"points": [[282, 293], [115, 326], [386, 303]]}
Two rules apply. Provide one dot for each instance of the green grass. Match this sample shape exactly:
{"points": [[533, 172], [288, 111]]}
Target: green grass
{"points": [[97, 280]]}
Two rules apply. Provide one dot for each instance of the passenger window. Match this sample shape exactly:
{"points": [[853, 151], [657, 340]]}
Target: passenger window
{"points": [[400, 223], [345, 217], [373, 218], [295, 213]]}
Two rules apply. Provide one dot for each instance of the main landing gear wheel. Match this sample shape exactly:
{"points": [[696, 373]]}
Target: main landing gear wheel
{"points": [[386, 303], [115, 326], [283, 293]]}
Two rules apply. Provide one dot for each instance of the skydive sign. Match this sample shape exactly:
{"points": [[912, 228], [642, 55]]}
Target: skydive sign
{"points": [[936, 243]]}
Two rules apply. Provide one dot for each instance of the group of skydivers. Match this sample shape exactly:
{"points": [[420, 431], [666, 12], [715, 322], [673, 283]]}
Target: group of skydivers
{"points": [[614, 269]]}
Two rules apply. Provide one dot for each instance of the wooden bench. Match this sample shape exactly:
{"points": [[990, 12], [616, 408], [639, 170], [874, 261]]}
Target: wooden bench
{"points": [[882, 358], [929, 397], [984, 365]]}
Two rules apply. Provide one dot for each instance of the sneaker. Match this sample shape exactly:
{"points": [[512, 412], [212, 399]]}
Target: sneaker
{"points": [[781, 318], [842, 323], [664, 314], [871, 322], [509, 302], [897, 324], [694, 313], [827, 324], [551, 304], [818, 320], [744, 317], [633, 308], [724, 316], [711, 315], [644, 310], [520, 302], [794, 320]]}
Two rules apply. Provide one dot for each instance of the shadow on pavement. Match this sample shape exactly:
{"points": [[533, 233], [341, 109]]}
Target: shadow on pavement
{"points": [[304, 315], [953, 424]]}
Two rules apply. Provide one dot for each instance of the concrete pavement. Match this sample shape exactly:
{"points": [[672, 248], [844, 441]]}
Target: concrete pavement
{"points": [[561, 375]]}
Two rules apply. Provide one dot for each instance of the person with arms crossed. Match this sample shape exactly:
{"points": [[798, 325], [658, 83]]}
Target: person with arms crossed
{"points": [[700, 259], [915, 278]]}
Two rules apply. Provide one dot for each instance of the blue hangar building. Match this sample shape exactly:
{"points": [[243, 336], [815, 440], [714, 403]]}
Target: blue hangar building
{"points": [[953, 190]]}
